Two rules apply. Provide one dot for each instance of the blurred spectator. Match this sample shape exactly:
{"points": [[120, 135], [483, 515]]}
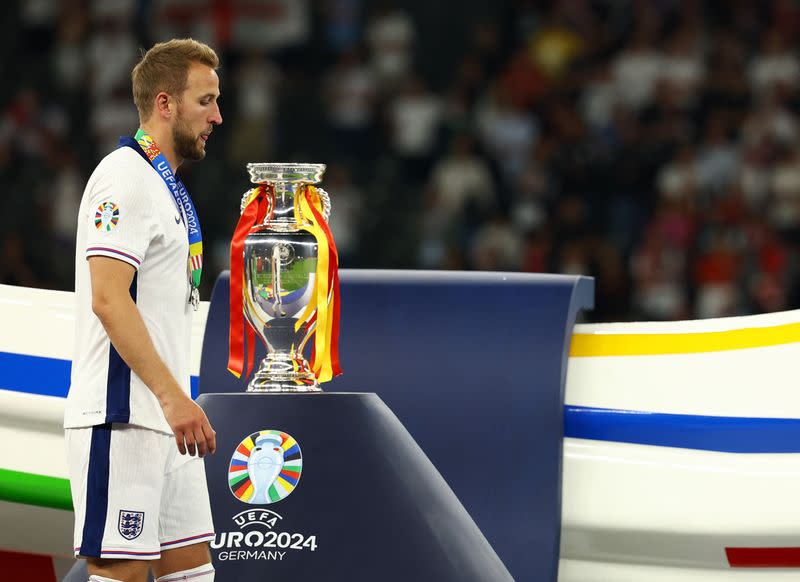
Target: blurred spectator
{"points": [[718, 157], [462, 177], [637, 69], [715, 275], [351, 93], [755, 175], [658, 269], [69, 58], [508, 133], [390, 36], [679, 178], [415, 116], [784, 211], [112, 54], [537, 252], [555, 45], [436, 233], [767, 269], [531, 195], [770, 121], [599, 98], [497, 246], [775, 65], [256, 82], [524, 80], [683, 67]]}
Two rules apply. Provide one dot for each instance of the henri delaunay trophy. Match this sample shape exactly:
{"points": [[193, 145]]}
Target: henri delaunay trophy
{"points": [[284, 280]]}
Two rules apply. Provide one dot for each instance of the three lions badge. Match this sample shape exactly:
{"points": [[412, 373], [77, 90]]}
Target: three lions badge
{"points": [[130, 523]]}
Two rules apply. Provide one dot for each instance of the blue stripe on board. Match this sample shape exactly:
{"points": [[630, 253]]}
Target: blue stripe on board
{"points": [[50, 377], [97, 492], [34, 374], [43, 376], [726, 434]]}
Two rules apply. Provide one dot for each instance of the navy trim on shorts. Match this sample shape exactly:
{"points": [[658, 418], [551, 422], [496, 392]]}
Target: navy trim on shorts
{"points": [[118, 386], [96, 505]]}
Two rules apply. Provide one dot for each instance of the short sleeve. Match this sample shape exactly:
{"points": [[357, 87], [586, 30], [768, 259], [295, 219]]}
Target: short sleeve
{"points": [[121, 223]]}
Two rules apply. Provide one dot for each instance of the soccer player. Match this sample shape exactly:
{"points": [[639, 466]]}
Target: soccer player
{"points": [[140, 501]]}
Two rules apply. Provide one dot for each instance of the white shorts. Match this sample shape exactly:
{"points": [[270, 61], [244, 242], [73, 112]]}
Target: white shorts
{"points": [[134, 493]]}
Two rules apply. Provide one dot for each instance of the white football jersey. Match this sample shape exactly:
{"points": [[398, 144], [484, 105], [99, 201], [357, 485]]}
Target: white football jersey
{"points": [[128, 213]]}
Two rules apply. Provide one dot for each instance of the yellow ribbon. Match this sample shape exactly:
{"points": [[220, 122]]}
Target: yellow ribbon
{"points": [[321, 294]]}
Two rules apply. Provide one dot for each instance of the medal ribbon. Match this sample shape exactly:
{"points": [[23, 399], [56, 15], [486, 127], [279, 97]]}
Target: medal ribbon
{"points": [[182, 200], [324, 306], [259, 200]]}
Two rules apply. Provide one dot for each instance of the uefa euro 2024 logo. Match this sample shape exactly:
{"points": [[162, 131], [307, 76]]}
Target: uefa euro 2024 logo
{"points": [[265, 467]]}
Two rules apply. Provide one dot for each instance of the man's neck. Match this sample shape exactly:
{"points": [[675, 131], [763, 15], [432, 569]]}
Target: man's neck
{"points": [[163, 138]]}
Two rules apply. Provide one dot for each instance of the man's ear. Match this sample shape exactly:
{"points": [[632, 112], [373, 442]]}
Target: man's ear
{"points": [[163, 105]]}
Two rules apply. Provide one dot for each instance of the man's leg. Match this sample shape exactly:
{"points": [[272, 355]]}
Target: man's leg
{"points": [[185, 526], [116, 477], [78, 573], [121, 570], [186, 563]]}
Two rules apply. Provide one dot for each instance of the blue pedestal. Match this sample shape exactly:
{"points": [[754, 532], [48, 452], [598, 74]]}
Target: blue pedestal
{"points": [[368, 505], [473, 365]]}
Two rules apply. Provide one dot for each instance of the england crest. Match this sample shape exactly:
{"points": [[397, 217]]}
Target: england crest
{"points": [[130, 523]]}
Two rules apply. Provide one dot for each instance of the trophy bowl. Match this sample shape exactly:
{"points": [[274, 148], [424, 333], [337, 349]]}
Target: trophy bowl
{"points": [[280, 268]]}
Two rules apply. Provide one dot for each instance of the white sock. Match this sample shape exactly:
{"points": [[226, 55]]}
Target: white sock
{"points": [[204, 573], [95, 578]]}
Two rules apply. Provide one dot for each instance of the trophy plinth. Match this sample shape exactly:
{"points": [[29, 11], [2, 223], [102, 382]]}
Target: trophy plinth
{"points": [[280, 269], [277, 374]]}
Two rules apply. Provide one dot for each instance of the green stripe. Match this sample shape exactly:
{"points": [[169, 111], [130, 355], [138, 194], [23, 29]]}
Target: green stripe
{"points": [[33, 489], [235, 480]]}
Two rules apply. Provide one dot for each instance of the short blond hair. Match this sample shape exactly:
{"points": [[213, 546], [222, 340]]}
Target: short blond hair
{"points": [[165, 67]]}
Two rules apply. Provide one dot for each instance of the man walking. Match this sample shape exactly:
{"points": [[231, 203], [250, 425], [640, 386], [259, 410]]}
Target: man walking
{"points": [[140, 501]]}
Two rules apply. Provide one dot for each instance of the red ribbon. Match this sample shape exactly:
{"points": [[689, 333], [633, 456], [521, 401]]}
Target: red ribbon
{"points": [[252, 215]]}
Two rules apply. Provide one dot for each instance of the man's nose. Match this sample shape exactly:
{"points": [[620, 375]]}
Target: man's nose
{"points": [[216, 116]]}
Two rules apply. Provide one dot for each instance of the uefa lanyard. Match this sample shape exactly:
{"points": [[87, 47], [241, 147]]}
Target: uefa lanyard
{"points": [[184, 204]]}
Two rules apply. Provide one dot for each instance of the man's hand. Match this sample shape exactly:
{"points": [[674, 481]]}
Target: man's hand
{"points": [[112, 303], [189, 423]]}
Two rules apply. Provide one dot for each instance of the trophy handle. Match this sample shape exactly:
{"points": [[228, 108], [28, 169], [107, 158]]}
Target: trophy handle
{"points": [[326, 203], [243, 203], [270, 200]]}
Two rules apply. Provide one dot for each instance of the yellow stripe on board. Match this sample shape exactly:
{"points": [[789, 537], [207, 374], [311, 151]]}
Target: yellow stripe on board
{"points": [[655, 344]]}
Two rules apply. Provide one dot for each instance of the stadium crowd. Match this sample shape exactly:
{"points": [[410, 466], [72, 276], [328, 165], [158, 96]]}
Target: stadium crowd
{"points": [[652, 144]]}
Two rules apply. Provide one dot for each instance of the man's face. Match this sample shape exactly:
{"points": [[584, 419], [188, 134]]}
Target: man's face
{"points": [[198, 113]]}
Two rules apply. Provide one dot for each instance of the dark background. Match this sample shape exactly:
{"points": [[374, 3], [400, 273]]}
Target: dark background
{"points": [[650, 144]]}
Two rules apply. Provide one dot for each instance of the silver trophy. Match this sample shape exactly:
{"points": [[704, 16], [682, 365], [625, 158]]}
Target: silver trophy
{"points": [[280, 265]]}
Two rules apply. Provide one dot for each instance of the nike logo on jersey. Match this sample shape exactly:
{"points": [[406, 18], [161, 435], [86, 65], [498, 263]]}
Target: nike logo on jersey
{"points": [[177, 220]]}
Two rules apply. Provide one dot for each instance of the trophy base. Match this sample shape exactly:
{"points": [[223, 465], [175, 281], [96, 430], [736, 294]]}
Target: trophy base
{"points": [[284, 374], [282, 387]]}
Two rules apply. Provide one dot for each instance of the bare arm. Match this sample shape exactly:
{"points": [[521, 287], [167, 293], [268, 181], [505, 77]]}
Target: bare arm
{"points": [[114, 307]]}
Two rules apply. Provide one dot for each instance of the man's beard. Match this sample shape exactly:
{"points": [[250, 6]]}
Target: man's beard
{"points": [[186, 143]]}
